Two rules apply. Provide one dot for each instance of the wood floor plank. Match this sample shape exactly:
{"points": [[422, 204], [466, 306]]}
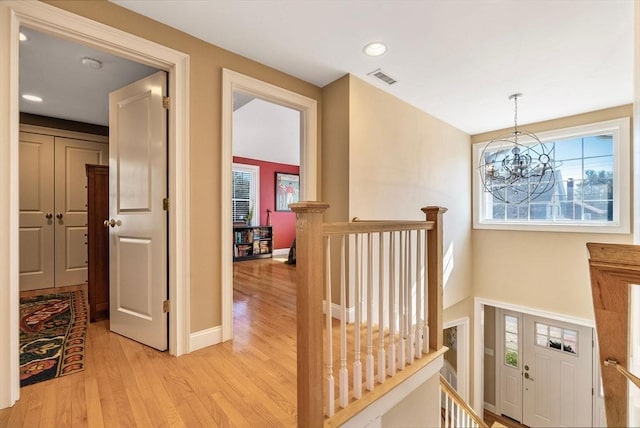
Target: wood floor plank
{"points": [[247, 382]]}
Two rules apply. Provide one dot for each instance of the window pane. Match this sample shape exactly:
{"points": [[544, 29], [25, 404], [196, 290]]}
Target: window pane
{"points": [[568, 149], [511, 324], [555, 332], [542, 328], [511, 358], [541, 340], [598, 145]]}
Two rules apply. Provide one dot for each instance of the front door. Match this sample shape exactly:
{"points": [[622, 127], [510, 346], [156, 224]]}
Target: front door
{"points": [[138, 222], [557, 373]]}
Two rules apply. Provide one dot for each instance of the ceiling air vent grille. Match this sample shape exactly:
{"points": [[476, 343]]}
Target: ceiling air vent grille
{"points": [[378, 73]]}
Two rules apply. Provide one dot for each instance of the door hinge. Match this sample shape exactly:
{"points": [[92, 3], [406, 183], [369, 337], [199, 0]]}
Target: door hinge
{"points": [[165, 204], [165, 306], [592, 391], [165, 103]]}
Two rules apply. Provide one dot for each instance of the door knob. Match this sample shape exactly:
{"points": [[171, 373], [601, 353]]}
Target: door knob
{"points": [[48, 216], [59, 216], [112, 223], [526, 376]]}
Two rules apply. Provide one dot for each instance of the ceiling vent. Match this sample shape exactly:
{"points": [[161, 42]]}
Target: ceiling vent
{"points": [[378, 73]]}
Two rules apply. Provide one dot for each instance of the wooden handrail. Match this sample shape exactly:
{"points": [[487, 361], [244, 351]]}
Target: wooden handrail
{"points": [[374, 226], [613, 268], [626, 373], [464, 406]]}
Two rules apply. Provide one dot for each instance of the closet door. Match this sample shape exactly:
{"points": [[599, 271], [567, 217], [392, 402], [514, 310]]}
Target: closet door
{"points": [[71, 156], [36, 211]]}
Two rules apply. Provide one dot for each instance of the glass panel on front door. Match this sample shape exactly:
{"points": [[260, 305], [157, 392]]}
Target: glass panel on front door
{"points": [[511, 341]]}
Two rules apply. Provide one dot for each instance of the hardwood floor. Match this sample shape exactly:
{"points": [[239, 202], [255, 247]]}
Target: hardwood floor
{"points": [[247, 382]]}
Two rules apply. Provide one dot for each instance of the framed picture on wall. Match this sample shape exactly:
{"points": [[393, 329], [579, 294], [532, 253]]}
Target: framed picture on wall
{"points": [[287, 190]]}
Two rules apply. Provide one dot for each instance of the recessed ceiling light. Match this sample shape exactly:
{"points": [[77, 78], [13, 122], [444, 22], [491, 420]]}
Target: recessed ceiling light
{"points": [[23, 37], [375, 49], [92, 63], [31, 97]]}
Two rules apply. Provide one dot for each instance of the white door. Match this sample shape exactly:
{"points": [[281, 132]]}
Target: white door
{"points": [[36, 211], [71, 158], [510, 362], [138, 231], [557, 373]]}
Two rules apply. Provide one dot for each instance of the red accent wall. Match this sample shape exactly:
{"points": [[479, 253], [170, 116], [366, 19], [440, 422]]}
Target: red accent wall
{"points": [[283, 222]]}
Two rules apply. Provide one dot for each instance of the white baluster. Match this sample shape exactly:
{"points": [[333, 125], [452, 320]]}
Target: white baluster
{"points": [[425, 321], [402, 345], [382, 374], [419, 305], [344, 371], [369, 359], [392, 304], [357, 364], [410, 324], [330, 387]]}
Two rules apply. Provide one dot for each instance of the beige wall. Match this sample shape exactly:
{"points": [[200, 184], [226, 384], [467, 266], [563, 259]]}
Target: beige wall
{"points": [[206, 62], [402, 159], [541, 270], [418, 409]]}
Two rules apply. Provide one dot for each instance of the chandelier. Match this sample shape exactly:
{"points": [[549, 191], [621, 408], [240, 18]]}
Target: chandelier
{"points": [[517, 167]]}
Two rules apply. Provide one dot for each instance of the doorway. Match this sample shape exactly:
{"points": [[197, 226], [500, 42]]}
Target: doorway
{"points": [[543, 369], [49, 19], [233, 82]]}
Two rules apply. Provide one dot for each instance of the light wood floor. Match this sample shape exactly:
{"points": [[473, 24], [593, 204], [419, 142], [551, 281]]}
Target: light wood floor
{"points": [[247, 382]]}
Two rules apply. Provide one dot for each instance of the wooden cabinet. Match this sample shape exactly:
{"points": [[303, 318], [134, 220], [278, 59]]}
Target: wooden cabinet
{"points": [[252, 242], [98, 240]]}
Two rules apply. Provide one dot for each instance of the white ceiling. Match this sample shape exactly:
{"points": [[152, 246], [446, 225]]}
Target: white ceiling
{"points": [[51, 68], [267, 131], [458, 60]]}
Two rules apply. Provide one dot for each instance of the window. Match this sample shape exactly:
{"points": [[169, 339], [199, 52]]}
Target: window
{"points": [[245, 183], [592, 184], [511, 341], [558, 338]]}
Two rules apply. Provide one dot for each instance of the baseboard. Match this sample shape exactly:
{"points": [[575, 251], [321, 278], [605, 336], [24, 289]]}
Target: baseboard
{"points": [[490, 407], [203, 338], [336, 311], [280, 252]]}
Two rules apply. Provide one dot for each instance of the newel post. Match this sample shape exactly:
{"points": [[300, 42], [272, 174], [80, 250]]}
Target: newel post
{"points": [[434, 275], [309, 311]]}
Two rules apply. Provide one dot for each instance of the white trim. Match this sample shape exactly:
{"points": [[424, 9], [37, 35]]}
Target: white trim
{"points": [[281, 252], [490, 407], [385, 403], [464, 350], [308, 108], [621, 181], [203, 338], [255, 194], [56, 21], [537, 312], [336, 311]]}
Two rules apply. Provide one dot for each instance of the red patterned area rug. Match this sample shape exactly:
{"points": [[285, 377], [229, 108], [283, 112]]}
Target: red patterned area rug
{"points": [[53, 328]]}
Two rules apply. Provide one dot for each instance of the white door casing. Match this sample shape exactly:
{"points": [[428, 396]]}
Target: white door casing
{"points": [[36, 211], [557, 378], [70, 217], [50, 19], [509, 391], [234, 81], [137, 221]]}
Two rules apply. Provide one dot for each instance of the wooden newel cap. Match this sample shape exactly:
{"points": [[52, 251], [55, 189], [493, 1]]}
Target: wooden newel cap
{"points": [[434, 210], [309, 207]]}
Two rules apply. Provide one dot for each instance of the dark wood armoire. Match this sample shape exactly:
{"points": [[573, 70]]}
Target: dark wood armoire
{"points": [[98, 241]]}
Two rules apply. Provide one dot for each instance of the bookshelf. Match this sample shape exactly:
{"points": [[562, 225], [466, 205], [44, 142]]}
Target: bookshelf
{"points": [[252, 242]]}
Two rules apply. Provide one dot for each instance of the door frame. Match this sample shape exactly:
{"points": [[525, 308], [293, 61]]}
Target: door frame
{"points": [[308, 108], [478, 339], [462, 361], [61, 23]]}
